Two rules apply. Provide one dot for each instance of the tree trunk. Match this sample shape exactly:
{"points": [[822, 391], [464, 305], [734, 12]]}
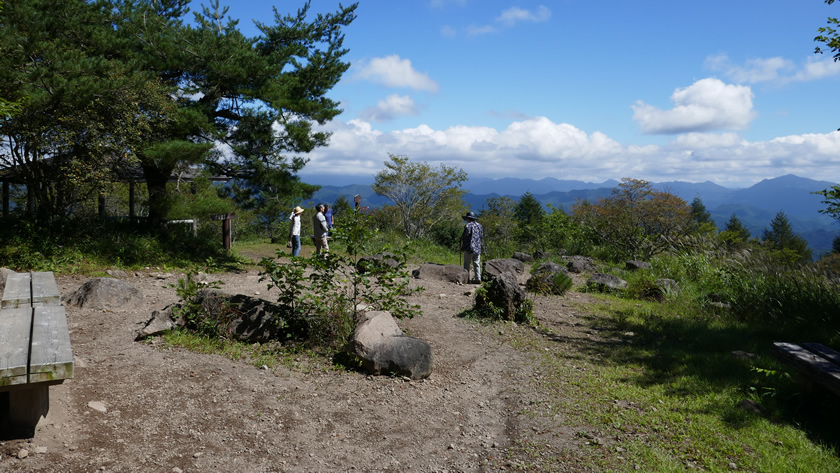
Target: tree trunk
{"points": [[156, 180]]}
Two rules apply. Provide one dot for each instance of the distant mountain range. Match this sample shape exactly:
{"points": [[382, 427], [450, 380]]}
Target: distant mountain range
{"points": [[755, 206]]}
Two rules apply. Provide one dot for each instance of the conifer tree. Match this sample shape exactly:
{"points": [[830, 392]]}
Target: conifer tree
{"points": [[780, 236], [737, 228]]}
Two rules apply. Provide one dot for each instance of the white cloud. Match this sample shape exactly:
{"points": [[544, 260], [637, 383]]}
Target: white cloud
{"points": [[753, 71], [816, 69], [537, 148], [391, 107], [708, 104], [514, 15], [773, 70], [393, 71], [448, 31], [510, 18], [691, 141], [480, 30]]}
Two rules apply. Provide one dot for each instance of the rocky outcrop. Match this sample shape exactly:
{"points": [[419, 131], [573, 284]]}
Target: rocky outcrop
{"points": [[605, 282], [441, 272], [503, 293], [249, 319], [495, 267], [580, 264]]}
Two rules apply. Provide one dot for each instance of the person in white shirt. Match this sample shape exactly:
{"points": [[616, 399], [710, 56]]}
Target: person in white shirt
{"points": [[294, 230]]}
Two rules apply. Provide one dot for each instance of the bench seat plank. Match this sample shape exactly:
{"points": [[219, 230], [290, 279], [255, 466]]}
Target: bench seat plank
{"points": [[52, 356], [17, 292], [812, 364], [44, 289], [14, 345]]}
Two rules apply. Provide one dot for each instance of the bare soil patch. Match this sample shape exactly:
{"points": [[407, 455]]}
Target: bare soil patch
{"points": [[171, 410]]}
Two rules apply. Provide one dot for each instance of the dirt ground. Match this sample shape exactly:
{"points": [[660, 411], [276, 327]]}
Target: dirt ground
{"points": [[138, 407]]}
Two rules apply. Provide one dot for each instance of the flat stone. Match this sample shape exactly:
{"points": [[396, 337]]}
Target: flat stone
{"points": [[98, 406]]}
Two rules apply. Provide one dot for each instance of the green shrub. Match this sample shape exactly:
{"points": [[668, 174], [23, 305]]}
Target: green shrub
{"points": [[547, 283]]}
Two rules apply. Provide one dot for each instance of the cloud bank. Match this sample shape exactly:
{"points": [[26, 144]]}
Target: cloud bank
{"points": [[537, 148]]}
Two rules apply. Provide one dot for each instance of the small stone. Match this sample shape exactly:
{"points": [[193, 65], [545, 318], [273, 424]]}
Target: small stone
{"points": [[733, 466], [177, 470], [23, 454], [98, 406], [196, 454], [40, 449]]}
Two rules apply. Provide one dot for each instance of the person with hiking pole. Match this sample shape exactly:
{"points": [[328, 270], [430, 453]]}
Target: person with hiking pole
{"points": [[471, 246]]}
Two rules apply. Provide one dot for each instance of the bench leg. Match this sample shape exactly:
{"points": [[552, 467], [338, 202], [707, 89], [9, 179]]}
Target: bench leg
{"points": [[27, 406]]}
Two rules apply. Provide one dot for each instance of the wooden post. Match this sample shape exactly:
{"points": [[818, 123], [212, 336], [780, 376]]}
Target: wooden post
{"points": [[225, 218], [226, 233]]}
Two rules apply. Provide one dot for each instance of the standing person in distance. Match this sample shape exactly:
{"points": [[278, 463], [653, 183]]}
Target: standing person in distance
{"points": [[471, 246], [328, 214], [294, 230], [319, 230]]}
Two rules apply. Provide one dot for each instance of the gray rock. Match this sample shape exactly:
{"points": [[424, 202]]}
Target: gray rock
{"points": [[117, 273], [579, 264], [668, 285], [106, 294], [603, 282], [495, 267], [385, 259], [524, 257], [504, 293], [751, 406], [383, 348], [160, 323], [248, 319], [744, 355], [441, 272], [634, 265]]}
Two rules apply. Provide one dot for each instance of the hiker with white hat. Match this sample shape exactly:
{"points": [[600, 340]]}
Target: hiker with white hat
{"points": [[471, 246], [294, 230]]}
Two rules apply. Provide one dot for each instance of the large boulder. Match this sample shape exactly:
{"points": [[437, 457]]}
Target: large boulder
{"points": [[634, 265], [249, 319], [605, 282], [442, 272], [383, 348], [503, 292], [579, 264], [108, 294], [495, 267]]}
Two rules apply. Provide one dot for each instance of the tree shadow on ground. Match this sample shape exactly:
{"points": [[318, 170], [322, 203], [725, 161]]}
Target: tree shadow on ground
{"points": [[697, 357]]}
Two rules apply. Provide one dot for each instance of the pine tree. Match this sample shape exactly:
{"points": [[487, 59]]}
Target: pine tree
{"points": [[737, 228], [780, 236]]}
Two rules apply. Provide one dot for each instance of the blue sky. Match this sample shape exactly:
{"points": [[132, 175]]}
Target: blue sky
{"points": [[726, 91]]}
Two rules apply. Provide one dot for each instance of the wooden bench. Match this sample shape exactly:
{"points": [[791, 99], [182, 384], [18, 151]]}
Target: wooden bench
{"points": [[35, 350], [816, 363]]}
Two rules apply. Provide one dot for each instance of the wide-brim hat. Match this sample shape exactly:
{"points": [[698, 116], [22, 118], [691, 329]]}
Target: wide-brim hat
{"points": [[470, 216], [298, 210]]}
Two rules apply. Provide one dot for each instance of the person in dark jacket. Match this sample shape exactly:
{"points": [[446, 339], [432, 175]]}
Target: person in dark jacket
{"points": [[319, 231], [471, 245]]}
